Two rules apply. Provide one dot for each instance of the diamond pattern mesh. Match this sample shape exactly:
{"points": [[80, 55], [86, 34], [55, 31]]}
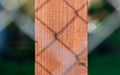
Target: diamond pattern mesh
{"points": [[61, 37]]}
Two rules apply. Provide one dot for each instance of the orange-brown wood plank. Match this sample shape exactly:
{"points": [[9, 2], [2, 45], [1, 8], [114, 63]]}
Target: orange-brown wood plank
{"points": [[61, 37]]}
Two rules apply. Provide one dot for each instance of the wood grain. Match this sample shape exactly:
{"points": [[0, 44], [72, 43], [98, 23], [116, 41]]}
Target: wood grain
{"points": [[61, 37]]}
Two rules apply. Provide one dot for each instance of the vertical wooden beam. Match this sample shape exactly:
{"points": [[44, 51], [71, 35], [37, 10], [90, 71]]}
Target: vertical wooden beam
{"points": [[61, 37]]}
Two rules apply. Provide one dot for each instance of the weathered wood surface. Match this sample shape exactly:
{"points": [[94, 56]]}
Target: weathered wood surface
{"points": [[61, 37]]}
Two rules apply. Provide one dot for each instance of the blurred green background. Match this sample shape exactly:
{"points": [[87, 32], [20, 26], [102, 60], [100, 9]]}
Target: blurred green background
{"points": [[17, 37], [104, 37]]}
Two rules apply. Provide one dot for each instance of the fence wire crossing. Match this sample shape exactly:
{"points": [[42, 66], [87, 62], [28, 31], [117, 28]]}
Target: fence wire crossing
{"points": [[12, 13], [54, 56]]}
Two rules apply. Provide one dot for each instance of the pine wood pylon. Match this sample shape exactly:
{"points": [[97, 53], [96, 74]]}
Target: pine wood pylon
{"points": [[61, 37]]}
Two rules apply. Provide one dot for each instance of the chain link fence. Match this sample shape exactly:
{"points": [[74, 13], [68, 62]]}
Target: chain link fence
{"points": [[75, 56], [17, 37]]}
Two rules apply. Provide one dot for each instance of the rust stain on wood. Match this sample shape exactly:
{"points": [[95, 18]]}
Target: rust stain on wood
{"points": [[61, 37]]}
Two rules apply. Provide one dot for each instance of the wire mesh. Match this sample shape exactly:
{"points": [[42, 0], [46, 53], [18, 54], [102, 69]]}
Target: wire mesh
{"points": [[77, 59]]}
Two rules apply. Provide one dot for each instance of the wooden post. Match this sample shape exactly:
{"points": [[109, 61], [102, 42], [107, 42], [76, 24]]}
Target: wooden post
{"points": [[61, 37]]}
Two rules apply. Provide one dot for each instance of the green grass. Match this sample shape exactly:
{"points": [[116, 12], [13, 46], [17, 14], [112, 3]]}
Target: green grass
{"points": [[15, 68], [108, 64]]}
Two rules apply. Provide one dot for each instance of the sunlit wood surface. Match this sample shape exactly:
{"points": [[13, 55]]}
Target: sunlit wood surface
{"points": [[61, 37]]}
